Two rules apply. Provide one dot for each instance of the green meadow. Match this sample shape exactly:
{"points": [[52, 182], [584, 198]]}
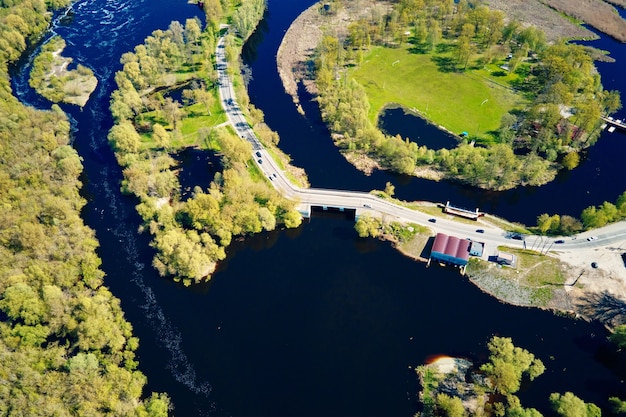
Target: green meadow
{"points": [[472, 101]]}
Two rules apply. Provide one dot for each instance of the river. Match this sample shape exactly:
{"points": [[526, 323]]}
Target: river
{"points": [[313, 321]]}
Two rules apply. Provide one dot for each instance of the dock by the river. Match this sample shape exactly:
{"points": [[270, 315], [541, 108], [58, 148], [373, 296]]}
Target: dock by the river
{"points": [[614, 123]]}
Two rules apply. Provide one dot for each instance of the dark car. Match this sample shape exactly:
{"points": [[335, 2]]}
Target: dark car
{"points": [[260, 161], [432, 220], [517, 237], [258, 154], [559, 241], [480, 231]]}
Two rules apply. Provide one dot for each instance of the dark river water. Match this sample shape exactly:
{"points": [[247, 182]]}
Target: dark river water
{"points": [[316, 321]]}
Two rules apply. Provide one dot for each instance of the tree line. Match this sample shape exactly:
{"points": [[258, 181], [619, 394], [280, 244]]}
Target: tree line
{"points": [[190, 235], [592, 217], [530, 146], [65, 346]]}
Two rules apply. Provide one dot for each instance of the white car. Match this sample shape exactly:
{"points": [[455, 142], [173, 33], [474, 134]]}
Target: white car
{"points": [[591, 238]]}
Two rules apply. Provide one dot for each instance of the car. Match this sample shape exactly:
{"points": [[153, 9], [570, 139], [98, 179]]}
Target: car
{"points": [[260, 161], [517, 237], [367, 205], [274, 175], [559, 241], [594, 265], [592, 238], [432, 220], [480, 230], [258, 154]]}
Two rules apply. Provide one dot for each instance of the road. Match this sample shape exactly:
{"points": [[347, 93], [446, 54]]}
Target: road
{"points": [[607, 237]]}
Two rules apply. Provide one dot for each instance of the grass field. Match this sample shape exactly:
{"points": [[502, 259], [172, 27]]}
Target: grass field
{"points": [[472, 102]]}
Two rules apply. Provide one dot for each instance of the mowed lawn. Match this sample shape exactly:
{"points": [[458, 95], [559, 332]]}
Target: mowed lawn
{"points": [[460, 102]]}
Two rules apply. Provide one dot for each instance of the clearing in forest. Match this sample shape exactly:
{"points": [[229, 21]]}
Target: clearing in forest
{"points": [[473, 101]]}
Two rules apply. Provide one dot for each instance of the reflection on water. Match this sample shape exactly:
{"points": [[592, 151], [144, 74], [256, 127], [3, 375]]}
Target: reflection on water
{"points": [[197, 168], [399, 121]]}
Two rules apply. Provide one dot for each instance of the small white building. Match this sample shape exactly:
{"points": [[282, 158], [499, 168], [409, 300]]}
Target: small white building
{"points": [[505, 258]]}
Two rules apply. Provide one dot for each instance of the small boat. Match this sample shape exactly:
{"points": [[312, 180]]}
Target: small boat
{"points": [[611, 129]]}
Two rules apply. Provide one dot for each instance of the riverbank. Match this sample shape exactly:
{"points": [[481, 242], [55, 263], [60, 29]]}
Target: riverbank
{"points": [[596, 13], [564, 281]]}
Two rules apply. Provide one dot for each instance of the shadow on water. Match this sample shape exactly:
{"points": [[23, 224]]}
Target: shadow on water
{"points": [[395, 120], [197, 168]]}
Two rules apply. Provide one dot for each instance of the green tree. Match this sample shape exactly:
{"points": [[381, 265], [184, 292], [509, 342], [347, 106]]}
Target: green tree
{"points": [[571, 160], [390, 189], [618, 405], [124, 137], [508, 363], [450, 406], [367, 226], [569, 405], [619, 336]]}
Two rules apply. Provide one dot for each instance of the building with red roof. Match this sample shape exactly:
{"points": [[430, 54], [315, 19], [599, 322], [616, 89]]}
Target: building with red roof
{"points": [[450, 250]]}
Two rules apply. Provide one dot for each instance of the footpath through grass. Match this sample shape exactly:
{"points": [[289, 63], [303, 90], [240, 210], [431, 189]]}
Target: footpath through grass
{"points": [[471, 102]]}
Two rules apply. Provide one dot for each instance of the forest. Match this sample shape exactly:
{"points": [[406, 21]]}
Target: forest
{"points": [[559, 84], [191, 234], [65, 347]]}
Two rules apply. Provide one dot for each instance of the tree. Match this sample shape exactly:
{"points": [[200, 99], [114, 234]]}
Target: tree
{"points": [[544, 222], [160, 136], [390, 189], [619, 336], [465, 50], [124, 137], [569, 405], [618, 405], [368, 226], [172, 111], [508, 363], [611, 102], [570, 225], [571, 160], [292, 219], [450, 406]]}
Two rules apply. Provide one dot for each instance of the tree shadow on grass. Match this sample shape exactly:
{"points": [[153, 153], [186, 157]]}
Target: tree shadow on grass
{"points": [[443, 48], [419, 48], [444, 63], [603, 307]]}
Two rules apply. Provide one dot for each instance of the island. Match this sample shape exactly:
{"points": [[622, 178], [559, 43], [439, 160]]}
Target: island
{"points": [[52, 78]]}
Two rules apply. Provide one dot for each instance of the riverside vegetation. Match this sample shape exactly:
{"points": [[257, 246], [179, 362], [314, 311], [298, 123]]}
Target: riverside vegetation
{"points": [[65, 347], [454, 387], [527, 107], [190, 236]]}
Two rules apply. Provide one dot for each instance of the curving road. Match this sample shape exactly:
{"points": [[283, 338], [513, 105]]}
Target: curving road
{"points": [[610, 236]]}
